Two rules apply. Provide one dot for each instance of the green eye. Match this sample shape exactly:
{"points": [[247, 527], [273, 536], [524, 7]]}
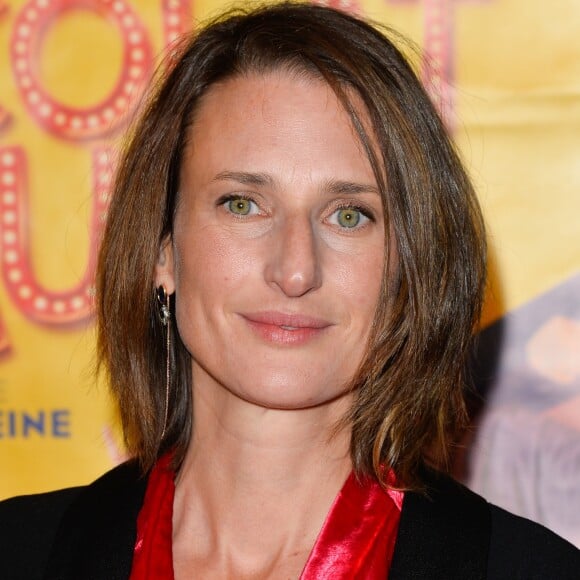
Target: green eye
{"points": [[240, 206], [348, 217]]}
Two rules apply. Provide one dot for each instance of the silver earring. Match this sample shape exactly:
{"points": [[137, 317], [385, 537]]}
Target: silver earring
{"points": [[163, 300]]}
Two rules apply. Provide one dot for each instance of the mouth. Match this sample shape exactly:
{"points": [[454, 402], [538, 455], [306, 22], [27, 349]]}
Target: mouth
{"points": [[286, 329]]}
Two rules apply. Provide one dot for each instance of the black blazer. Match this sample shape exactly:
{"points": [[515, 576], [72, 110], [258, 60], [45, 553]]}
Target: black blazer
{"points": [[88, 533]]}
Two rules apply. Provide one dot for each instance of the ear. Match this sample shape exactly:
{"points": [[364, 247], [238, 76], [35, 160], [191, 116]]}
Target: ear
{"points": [[164, 269]]}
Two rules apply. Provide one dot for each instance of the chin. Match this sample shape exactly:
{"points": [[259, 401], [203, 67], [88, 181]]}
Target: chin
{"points": [[289, 395]]}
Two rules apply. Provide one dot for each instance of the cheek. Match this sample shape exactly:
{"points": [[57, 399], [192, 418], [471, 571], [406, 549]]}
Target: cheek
{"points": [[358, 279], [211, 261]]}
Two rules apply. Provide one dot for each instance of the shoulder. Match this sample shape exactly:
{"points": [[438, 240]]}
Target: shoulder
{"points": [[451, 532], [521, 548], [443, 533], [46, 531], [28, 525]]}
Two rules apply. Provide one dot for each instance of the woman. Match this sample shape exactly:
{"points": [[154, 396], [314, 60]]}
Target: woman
{"points": [[291, 271]]}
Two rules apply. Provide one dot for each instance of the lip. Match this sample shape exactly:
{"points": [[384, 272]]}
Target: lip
{"points": [[284, 328]]}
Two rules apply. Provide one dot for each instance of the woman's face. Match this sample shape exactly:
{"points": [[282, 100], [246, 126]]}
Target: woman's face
{"points": [[277, 253]]}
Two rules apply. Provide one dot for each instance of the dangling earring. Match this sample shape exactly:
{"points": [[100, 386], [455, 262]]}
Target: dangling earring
{"points": [[165, 316]]}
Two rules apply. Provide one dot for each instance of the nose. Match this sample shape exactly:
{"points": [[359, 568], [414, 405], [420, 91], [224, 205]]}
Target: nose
{"points": [[293, 263]]}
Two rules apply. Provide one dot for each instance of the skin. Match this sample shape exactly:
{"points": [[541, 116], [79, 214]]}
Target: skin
{"points": [[276, 263]]}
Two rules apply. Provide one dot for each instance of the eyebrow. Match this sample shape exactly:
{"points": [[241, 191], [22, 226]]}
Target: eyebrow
{"points": [[332, 186], [340, 187], [245, 177]]}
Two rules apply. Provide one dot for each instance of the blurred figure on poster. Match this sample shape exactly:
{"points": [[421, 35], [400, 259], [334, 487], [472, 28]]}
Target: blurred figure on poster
{"points": [[291, 272]]}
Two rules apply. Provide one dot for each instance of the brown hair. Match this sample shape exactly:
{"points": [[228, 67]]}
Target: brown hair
{"points": [[409, 389]]}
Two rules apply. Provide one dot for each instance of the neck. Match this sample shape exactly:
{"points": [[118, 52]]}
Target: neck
{"points": [[248, 469]]}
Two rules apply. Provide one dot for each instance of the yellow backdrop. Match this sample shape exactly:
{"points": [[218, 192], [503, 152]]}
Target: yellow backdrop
{"points": [[506, 74]]}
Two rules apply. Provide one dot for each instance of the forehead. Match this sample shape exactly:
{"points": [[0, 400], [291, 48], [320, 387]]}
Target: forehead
{"points": [[264, 98], [272, 118]]}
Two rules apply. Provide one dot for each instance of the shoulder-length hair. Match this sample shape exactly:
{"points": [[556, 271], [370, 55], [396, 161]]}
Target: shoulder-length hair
{"points": [[409, 389]]}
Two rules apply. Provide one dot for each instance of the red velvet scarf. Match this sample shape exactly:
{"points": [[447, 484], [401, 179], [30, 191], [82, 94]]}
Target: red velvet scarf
{"points": [[357, 539]]}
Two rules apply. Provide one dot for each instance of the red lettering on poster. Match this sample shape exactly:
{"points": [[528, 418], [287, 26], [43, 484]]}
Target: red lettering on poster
{"points": [[55, 308], [78, 124], [5, 116], [439, 68], [67, 122], [346, 5], [177, 20], [439, 71]]}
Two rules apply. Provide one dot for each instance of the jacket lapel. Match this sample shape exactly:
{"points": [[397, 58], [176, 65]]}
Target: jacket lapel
{"points": [[100, 523]]}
